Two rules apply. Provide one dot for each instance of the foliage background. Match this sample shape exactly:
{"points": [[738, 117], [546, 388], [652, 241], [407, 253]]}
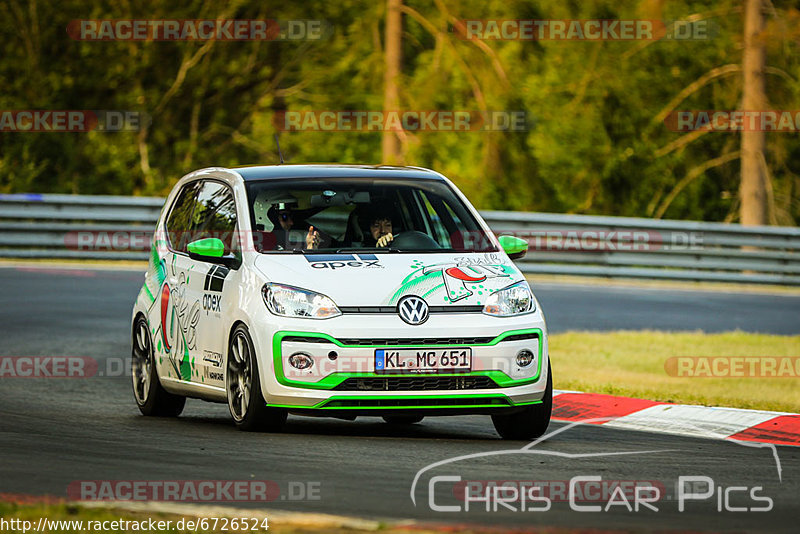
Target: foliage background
{"points": [[594, 148]]}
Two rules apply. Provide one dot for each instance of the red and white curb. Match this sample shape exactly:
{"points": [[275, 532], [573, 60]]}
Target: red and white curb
{"points": [[779, 428]]}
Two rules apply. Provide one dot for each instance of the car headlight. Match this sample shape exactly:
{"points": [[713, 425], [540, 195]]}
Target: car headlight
{"points": [[290, 301], [513, 300]]}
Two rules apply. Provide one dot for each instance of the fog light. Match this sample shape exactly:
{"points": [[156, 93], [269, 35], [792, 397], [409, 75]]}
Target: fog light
{"points": [[524, 358], [301, 361]]}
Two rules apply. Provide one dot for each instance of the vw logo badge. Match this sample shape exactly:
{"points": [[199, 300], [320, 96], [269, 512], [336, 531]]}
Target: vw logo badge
{"points": [[413, 310]]}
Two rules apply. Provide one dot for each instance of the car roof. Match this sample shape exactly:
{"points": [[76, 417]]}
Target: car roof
{"points": [[267, 172]]}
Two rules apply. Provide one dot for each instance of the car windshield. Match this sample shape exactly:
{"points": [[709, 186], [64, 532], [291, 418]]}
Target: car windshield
{"points": [[349, 214]]}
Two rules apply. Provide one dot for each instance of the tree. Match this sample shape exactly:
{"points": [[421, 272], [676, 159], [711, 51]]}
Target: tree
{"points": [[752, 190], [595, 142], [391, 98]]}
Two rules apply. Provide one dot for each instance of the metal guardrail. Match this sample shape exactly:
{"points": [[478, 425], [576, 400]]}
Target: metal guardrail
{"points": [[45, 226], [39, 226], [667, 249]]}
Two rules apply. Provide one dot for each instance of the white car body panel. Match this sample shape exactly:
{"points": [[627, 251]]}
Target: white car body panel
{"points": [[201, 302]]}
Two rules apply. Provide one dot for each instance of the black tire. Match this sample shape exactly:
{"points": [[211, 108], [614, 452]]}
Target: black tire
{"points": [[245, 400], [532, 421], [150, 396], [403, 419]]}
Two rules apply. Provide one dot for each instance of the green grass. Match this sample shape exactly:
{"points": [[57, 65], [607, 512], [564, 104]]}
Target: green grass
{"points": [[632, 363]]}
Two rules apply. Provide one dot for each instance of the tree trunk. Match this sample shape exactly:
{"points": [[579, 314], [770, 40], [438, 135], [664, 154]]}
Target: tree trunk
{"points": [[392, 153], [752, 189]]}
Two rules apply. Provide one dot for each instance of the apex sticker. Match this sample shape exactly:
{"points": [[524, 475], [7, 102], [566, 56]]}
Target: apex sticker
{"points": [[215, 281], [339, 261]]}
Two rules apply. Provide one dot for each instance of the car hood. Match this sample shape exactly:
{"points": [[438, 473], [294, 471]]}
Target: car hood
{"points": [[363, 279]]}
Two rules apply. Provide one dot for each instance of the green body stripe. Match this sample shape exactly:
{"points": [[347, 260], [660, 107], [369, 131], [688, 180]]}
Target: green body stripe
{"points": [[149, 294], [158, 267], [431, 290], [407, 286], [334, 379], [322, 405]]}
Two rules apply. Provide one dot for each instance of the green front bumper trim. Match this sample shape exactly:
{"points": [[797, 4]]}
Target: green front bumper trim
{"points": [[411, 402], [334, 379]]}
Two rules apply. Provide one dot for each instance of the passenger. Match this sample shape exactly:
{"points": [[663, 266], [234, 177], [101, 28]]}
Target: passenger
{"points": [[286, 218]]}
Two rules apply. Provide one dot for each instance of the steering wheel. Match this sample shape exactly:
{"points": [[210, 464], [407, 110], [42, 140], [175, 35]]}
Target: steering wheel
{"points": [[414, 240]]}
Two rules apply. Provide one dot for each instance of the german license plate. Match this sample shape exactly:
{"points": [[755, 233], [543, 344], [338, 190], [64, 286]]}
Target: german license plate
{"points": [[426, 360]]}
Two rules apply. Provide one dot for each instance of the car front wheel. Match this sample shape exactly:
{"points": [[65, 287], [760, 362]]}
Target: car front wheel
{"points": [[532, 421], [245, 400]]}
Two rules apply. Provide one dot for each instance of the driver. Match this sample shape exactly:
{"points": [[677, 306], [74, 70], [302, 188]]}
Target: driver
{"points": [[380, 226]]}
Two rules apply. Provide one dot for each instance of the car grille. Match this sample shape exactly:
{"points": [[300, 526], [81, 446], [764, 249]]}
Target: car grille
{"points": [[416, 383]]}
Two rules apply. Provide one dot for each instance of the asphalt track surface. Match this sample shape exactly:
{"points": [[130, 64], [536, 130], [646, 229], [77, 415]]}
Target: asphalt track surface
{"points": [[56, 431]]}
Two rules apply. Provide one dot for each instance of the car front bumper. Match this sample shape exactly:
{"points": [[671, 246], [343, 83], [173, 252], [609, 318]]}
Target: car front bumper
{"points": [[343, 378]]}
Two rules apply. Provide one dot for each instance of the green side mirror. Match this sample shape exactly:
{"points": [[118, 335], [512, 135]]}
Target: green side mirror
{"points": [[513, 246], [210, 247]]}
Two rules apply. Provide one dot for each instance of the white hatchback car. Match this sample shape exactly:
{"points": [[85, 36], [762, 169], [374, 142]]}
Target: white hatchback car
{"points": [[337, 290]]}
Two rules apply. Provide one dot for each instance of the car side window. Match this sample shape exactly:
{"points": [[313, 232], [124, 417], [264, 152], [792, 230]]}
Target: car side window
{"points": [[434, 219], [215, 215], [179, 220]]}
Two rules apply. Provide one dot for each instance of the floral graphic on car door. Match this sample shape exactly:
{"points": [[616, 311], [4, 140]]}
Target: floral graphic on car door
{"points": [[178, 330]]}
